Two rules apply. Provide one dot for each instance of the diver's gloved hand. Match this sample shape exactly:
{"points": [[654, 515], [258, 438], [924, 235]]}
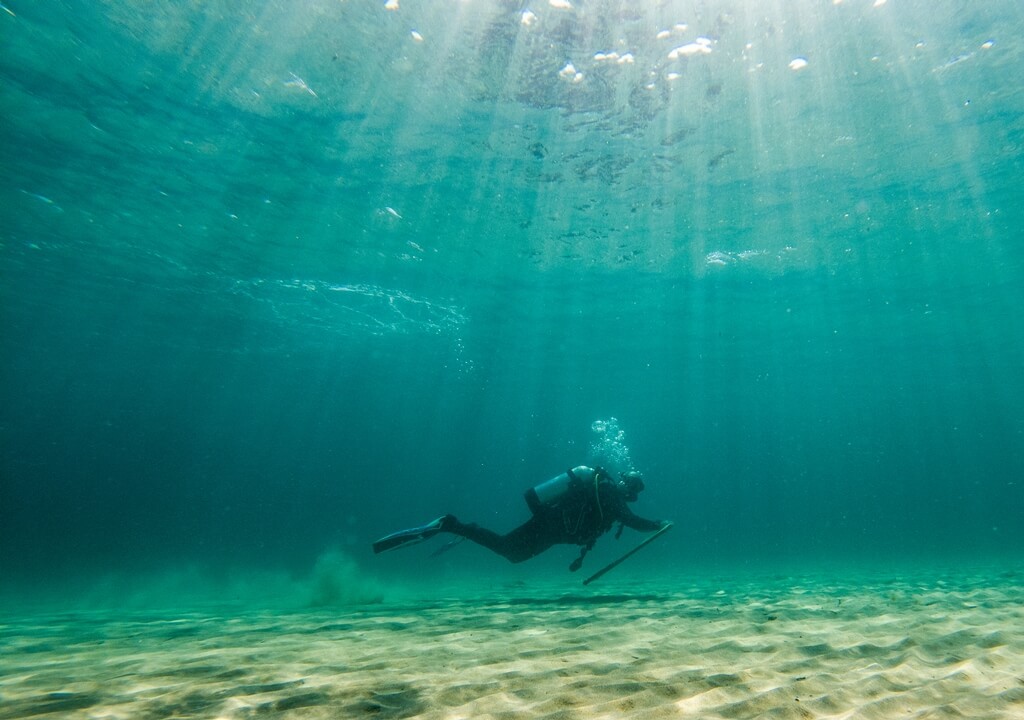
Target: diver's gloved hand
{"points": [[576, 564], [664, 524]]}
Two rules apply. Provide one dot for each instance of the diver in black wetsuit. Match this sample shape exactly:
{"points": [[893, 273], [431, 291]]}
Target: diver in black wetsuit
{"points": [[574, 508]]}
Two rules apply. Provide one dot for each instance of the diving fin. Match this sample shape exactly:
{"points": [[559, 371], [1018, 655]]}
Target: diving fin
{"points": [[411, 536], [447, 546]]}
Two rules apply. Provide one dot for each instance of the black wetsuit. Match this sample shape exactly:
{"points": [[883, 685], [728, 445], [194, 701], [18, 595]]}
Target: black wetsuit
{"points": [[585, 513]]}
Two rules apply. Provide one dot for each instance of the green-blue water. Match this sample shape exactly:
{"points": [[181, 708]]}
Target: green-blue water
{"points": [[279, 278]]}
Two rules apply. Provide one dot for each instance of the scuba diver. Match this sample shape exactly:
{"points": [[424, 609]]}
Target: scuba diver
{"points": [[574, 508]]}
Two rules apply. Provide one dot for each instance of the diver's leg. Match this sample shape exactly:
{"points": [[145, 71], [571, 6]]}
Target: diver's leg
{"points": [[523, 543]]}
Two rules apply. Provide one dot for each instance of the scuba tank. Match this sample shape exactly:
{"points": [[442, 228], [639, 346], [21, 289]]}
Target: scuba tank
{"points": [[549, 494]]}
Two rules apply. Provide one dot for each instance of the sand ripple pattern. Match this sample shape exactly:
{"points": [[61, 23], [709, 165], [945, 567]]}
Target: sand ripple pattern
{"points": [[779, 649]]}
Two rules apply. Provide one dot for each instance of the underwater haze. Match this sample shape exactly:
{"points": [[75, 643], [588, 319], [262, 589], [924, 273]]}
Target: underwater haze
{"points": [[279, 278]]}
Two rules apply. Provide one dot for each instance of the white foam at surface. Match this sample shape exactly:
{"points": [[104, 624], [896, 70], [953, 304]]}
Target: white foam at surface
{"points": [[694, 48]]}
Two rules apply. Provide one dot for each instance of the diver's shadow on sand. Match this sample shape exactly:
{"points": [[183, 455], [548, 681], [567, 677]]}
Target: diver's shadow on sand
{"points": [[570, 600]]}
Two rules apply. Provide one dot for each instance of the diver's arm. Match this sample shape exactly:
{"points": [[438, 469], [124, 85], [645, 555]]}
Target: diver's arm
{"points": [[615, 504], [628, 518]]}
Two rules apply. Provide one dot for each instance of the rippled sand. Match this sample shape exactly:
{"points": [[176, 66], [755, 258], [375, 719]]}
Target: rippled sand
{"points": [[778, 649]]}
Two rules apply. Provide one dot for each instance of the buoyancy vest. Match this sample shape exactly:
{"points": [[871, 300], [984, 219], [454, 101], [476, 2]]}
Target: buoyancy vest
{"points": [[556, 491]]}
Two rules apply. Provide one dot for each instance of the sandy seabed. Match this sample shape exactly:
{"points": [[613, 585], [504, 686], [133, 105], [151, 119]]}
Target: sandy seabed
{"points": [[780, 648]]}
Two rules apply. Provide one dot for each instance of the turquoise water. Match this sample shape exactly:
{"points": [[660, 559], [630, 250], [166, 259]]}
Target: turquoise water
{"points": [[279, 278]]}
